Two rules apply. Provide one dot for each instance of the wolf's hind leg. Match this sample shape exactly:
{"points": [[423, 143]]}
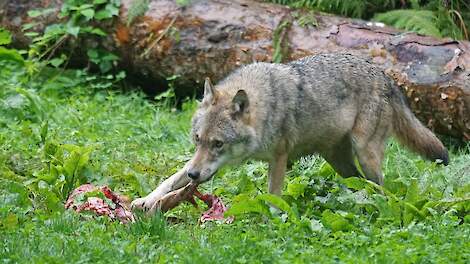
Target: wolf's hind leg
{"points": [[277, 171], [370, 155], [369, 134], [341, 158], [370, 159]]}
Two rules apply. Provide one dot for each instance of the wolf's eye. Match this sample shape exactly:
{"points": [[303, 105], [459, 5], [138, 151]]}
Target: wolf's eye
{"points": [[218, 144]]}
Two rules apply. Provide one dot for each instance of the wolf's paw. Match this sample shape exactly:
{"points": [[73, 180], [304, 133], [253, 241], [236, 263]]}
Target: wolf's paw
{"points": [[144, 203]]}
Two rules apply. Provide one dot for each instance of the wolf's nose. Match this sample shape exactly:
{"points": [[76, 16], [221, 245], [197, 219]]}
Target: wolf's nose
{"points": [[193, 174]]}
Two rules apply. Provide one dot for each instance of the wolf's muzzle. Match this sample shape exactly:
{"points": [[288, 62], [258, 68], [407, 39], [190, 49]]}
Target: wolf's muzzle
{"points": [[194, 174]]}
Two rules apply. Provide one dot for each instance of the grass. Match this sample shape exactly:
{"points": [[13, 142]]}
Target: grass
{"points": [[134, 143]]}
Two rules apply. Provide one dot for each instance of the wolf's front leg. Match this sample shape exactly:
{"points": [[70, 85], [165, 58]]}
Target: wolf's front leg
{"points": [[277, 171], [174, 182]]}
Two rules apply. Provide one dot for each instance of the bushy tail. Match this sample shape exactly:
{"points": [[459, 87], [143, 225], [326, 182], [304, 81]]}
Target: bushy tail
{"points": [[409, 130]]}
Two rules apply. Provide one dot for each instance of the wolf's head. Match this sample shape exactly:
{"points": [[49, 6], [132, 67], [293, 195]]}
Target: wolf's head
{"points": [[220, 131]]}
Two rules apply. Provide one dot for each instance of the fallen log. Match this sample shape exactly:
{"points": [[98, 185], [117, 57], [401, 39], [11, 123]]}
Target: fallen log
{"points": [[213, 37]]}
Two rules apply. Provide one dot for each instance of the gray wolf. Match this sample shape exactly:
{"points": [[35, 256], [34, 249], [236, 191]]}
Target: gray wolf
{"points": [[337, 105]]}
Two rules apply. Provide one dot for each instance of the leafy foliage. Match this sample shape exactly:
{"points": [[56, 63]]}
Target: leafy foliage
{"points": [[77, 17], [420, 21], [399, 206], [280, 41], [433, 17], [354, 8]]}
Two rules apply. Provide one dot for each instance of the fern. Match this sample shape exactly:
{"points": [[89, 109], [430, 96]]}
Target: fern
{"points": [[449, 26], [450, 18], [351, 8], [420, 21], [137, 8]]}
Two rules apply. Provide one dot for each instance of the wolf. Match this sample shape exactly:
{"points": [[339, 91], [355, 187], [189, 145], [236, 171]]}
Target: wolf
{"points": [[337, 105]]}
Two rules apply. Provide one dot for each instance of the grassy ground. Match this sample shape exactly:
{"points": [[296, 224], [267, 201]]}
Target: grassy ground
{"points": [[129, 143]]}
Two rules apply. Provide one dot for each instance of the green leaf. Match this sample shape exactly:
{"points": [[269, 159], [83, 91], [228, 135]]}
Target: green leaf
{"points": [[35, 101], [52, 201], [467, 219], [103, 14], [56, 62], [84, 7], [113, 10], [29, 26], [428, 208], [34, 13], [121, 75], [50, 148], [71, 163], [98, 32], [40, 12], [296, 190], [14, 193], [76, 160], [108, 12], [411, 213], [92, 54], [31, 34], [412, 192], [335, 221], [248, 205], [73, 30], [411, 198], [355, 183], [108, 56], [50, 177], [274, 200], [105, 66], [11, 55], [280, 204], [5, 37], [326, 170], [389, 209], [88, 13]]}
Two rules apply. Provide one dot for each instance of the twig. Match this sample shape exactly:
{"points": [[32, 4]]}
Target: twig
{"points": [[155, 42], [462, 22]]}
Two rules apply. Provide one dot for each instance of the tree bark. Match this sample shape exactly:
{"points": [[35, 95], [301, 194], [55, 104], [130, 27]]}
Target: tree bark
{"points": [[213, 37]]}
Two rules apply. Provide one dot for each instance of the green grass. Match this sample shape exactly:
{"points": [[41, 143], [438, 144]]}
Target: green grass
{"points": [[135, 143]]}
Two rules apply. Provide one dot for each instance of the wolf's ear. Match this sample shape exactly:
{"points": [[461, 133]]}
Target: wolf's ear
{"points": [[240, 103], [209, 91]]}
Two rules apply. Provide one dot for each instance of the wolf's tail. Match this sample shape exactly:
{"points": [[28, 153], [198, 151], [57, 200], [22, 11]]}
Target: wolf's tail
{"points": [[409, 130]]}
